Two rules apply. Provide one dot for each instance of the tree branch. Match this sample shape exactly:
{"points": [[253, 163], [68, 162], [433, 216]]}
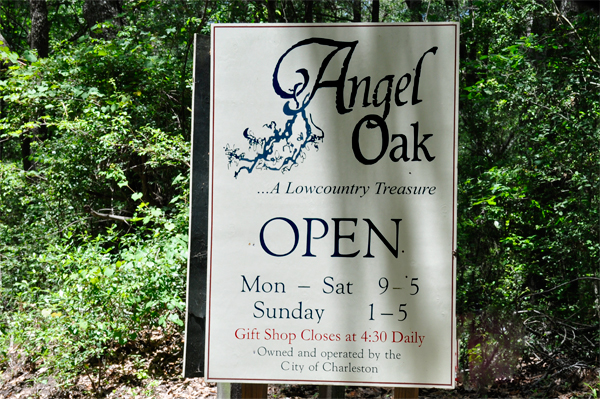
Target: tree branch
{"points": [[560, 285], [105, 215], [558, 13]]}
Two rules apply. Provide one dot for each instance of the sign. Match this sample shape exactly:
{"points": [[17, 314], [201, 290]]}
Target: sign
{"points": [[332, 210]]}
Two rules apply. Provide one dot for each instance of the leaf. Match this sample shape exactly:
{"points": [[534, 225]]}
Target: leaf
{"points": [[13, 57], [175, 319], [29, 56], [136, 196], [109, 271], [490, 201]]}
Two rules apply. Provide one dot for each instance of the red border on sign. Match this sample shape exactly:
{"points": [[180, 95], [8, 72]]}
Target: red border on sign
{"points": [[454, 199]]}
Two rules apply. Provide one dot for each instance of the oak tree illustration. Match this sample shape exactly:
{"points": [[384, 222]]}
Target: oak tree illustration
{"points": [[286, 147]]}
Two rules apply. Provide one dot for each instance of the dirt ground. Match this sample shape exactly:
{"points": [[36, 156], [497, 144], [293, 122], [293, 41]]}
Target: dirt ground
{"points": [[27, 385]]}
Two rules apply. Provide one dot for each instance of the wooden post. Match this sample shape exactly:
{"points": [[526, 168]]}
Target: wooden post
{"points": [[254, 391], [226, 390], [406, 393], [193, 359], [332, 392]]}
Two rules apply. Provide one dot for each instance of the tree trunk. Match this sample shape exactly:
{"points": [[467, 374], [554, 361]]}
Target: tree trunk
{"points": [[95, 11], [271, 4], [356, 8], [375, 11], [3, 64], [39, 40], [308, 11], [26, 151], [414, 6]]}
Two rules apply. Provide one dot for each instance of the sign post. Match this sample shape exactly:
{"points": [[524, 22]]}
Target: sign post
{"points": [[196, 271], [332, 205]]}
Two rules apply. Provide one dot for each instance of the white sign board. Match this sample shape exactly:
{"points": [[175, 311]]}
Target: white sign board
{"points": [[333, 204]]}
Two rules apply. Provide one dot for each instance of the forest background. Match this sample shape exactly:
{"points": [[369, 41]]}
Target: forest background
{"points": [[95, 124]]}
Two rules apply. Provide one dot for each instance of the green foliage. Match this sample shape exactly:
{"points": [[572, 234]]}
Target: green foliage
{"points": [[80, 302], [593, 390], [93, 235], [108, 122], [529, 183]]}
